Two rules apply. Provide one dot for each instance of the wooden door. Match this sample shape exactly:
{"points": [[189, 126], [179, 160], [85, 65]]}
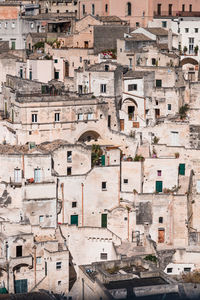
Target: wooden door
{"points": [[161, 235], [122, 124]]}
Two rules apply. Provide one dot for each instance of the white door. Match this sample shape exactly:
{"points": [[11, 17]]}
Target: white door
{"points": [[37, 175], [17, 175], [174, 138]]}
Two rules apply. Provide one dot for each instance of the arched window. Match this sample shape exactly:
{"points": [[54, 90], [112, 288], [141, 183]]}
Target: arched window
{"points": [[129, 9]]}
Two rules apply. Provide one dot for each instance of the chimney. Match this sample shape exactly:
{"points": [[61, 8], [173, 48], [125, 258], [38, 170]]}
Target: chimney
{"points": [[170, 40]]}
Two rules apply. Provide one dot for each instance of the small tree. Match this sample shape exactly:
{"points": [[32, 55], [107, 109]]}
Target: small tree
{"points": [[183, 111], [196, 49], [185, 49]]}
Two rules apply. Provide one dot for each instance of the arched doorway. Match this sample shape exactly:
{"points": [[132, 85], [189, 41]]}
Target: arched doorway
{"points": [[89, 136]]}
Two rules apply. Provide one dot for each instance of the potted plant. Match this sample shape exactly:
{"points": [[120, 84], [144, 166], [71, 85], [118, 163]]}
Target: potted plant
{"points": [[196, 49], [185, 49]]}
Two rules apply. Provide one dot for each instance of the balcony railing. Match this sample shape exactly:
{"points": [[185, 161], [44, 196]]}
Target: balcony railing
{"points": [[177, 13]]}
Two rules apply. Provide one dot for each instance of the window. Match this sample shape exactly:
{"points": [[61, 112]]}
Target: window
{"points": [[103, 186], [74, 220], [129, 12], [183, 7], [156, 102], [186, 30], [86, 44], [34, 118], [169, 107], [83, 9], [132, 87], [58, 11], [198, 186], [41, 219], [169, 270], [58, 265], [159, 5], [104, 256], [55, 61], [153, 61], [158, 83], [181, 169], [130, 63], [159, 173], [30, 75], [69, 171], [160, 220], [13, 25], [57, 117], [106, 8], [137, 24], [38, 260], [191, 45], [80, 117], [81, 59], [159, 186], [21, 73], [59, 282], [106, 68], [6, 25], [164, 24], [187, 269], [56, 75], [90, 116], [196, 30], [131, 110], [31, 25], [69, 156], [190, 8], [18, 251], [170, 9], [37, 175], [74, 204], [17, 175], [125, 181], [103, 88], [93, 9]]}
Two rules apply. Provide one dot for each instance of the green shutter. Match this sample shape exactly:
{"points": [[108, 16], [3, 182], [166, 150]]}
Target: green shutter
{"points": [[21, 286], [74, 220], [104, 220], [182, 169], [103, 160], [159, 186]]}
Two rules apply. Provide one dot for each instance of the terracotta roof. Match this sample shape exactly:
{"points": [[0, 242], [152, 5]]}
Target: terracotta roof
{"points": [[157, 31], [139, 37], [136, 74], [109, 19]]}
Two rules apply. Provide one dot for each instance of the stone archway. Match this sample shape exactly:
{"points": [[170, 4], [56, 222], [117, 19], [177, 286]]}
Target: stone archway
{"points": [[89, 136]]}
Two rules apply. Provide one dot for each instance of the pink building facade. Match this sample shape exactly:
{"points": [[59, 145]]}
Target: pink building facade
{"points": [[138, 13]]}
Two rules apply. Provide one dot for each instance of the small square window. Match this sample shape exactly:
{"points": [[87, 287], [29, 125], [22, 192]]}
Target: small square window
{"points": [[186, 30], [58, 265], [57, 117], [169, 106], [160, 220], [106, 68], [55, 61], [132, 87], [103, 185], [164, 24], [137, 24], [90, 116], [158, 83], [196, 30], [59, 282], [34, 118], [69, 171], [169, 270], [187, 269], [103, 88], [159, 173], [125, 181], [69, 156], [41, 219], [80, 117], [38, 260], [74, 204], [104, 256]]}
